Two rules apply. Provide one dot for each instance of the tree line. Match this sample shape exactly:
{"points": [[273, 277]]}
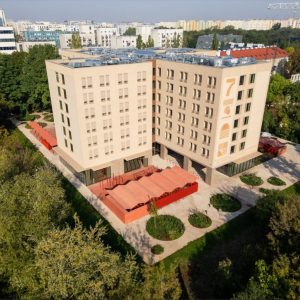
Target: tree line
{"points": [[45, 250], [24, 83], [283, 37]]}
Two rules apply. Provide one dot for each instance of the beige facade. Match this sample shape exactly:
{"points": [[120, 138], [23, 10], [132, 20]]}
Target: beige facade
{"points": [[107, 115], [102, 114], [210, 115]]}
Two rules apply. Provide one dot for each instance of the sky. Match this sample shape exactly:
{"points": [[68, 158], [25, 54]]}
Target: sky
{"points": [[140, 10]]}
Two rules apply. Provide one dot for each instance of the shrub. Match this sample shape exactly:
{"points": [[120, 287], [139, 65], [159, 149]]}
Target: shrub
{"points": [[276, 181], [264, 191], [251, 179], [225, 202], [199, 220], [42, 124], [29, 117], [157, 249], [49, 118], [165, 227]]}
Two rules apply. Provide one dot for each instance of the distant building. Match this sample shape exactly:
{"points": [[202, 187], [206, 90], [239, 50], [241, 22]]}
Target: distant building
{"points": [[42, 36], [104, 35], [205, 41], [124, 41], [26, 46], [7, 36], [144, 31], [163, 38], [295, 78]]}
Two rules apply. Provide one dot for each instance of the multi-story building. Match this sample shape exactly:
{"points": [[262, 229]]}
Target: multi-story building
{"points": [[144, 31], [164, 37], [26, 46], [124, 41], [104, 35], [108, 111], [7, 36]]}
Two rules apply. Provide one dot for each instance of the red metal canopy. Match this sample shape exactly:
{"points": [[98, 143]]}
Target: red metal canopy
{"points": [[43, 133]]}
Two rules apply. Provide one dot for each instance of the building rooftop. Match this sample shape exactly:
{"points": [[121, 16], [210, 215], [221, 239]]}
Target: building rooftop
{"points": [[264, 53], [105, 57]]}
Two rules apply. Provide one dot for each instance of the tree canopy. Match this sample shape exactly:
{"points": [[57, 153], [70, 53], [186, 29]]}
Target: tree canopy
{"points": [[76, 41], [130, 31]]}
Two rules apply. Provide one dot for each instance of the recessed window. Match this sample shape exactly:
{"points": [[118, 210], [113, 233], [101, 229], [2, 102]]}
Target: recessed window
{"points": [[233, 136], [242, 146], [242, 80], [248, 106], [57, 76], [252, 78], [244, 133], [250, 93], [246, 120], [237, 109], [236, 123], [232, 149], [240, 95]]}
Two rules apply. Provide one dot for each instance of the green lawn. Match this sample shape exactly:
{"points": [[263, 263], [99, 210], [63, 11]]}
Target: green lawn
{"points": [[225, 232]]}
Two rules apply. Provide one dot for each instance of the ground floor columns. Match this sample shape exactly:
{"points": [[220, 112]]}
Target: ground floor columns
{"points": [[187, 163], [210, 175], [163, 152]]}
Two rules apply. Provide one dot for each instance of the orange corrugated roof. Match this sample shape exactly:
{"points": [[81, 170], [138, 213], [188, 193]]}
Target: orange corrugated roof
{"points": [[141, 191], [43, 133], [258, 53]]}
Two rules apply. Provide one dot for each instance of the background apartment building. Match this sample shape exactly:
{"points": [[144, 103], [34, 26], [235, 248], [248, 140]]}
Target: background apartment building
{"points": [[102, 116], [163, 38], [208, 113], [7, 36], [104, 35]]}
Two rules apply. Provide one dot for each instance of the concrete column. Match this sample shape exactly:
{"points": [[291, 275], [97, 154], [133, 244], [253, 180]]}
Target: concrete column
{"points": [[117, 167], [187, 163], [210, 175], [149, 157], [163, 151]]}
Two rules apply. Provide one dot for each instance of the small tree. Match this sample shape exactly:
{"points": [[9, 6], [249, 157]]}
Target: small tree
{"points": [[150, 42], [76, 41], [139, 42], [176, 41], [215, 42], [153, 210]]}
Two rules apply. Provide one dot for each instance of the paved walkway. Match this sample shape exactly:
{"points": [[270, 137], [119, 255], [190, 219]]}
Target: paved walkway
{"points": [[286, 167]]}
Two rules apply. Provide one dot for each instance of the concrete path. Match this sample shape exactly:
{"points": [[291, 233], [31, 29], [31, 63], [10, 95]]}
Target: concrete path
{"points": [[286, 167]]}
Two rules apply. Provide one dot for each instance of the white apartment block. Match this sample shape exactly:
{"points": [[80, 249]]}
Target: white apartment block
{"points": [[87, 34], [26, 46], [163, 38], [124, 41], [144, 31], [108, 112], [104, 35], [7, 40], [65, 40], [7, 36]]}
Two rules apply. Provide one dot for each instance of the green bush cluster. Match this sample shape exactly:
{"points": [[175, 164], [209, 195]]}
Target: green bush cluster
{"points": [[200, 220], [157, 249], [225, 202], [165, 227], [276, 181], [251, 179]]}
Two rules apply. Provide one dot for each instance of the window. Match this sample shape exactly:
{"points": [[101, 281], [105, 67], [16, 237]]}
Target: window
{"points": [[153, 71], [180, 141], [60, 105], [193, 147], [248, 106], [233, 136], [64, 130], [89, 82], [83, 82], [68, 122], [62, 118], [58, 90], [240, 95], [211, 81], [66, 143], [242, 146], [57, 76], [65, 93], [236, 123], [237, 109], [242, 79], [246, 120], [232, 149], [250, 93], [181, 117], [180, 129], [182, 104], [198, 79], [71, 146], [195, 121], [70, 134], [67, 108], [63, 78], [194, 134], [252, 78], [244, 133], [196, 108], [159, 71], [102, 81]]}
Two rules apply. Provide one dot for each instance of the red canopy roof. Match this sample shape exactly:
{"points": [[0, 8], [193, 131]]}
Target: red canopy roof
{"points": [[50, 139], [258, 53], [139, 192]]}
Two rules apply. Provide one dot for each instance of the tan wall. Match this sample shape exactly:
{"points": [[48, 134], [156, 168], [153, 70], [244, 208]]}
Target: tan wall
{"points": [[222, 113], [78, 121]]}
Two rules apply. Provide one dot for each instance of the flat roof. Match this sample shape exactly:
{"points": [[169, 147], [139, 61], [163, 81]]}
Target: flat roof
{"points": [[104, 57]]}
